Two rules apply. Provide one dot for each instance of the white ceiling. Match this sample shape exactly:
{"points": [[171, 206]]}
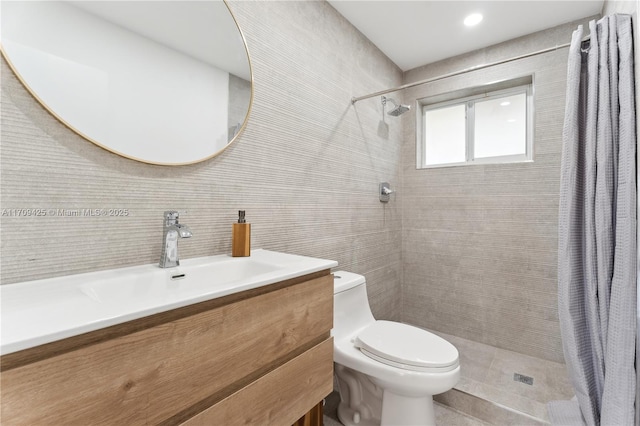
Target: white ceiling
{"points": [[204, 30], [419, 32]]}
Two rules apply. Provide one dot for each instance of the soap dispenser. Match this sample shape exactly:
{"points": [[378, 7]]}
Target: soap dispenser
{"points": [[241, 237]]}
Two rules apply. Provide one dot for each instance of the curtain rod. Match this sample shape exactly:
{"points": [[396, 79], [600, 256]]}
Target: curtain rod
{"points": [[464, 71]]}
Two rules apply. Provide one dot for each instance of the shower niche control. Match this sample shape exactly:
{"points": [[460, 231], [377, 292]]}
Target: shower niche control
{"points": [[385, 192]]}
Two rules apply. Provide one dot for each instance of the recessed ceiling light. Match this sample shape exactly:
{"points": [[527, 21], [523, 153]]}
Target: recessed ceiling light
{"points": [[473, 19], [505, 103]]}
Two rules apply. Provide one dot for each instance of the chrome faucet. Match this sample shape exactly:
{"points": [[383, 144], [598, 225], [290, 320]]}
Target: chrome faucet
{"points": [[172, 232]]}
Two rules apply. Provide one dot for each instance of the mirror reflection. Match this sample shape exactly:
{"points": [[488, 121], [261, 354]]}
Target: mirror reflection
{"points": [[163, 82]]}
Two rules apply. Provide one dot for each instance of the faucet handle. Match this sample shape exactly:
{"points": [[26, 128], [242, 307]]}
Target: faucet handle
{"points": [[171, 217]]}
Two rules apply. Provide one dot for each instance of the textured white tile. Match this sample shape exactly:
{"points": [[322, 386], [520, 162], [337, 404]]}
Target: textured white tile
{"points": [[480, 242], [306, 169]]}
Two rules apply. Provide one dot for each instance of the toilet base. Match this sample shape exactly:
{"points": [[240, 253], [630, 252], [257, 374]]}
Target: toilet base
{"points": [[401, 410], [364, 402], [396, 411], [360, 398], [348, 417]]}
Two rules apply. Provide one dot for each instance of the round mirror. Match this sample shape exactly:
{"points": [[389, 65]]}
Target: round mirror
{"points": [[162, 82]]}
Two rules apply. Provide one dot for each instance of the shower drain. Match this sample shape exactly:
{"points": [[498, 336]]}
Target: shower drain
{"points": [[523, 379]]}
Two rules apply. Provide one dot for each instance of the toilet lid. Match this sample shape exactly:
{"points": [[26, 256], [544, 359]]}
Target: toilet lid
{"points": [[407, 347]]}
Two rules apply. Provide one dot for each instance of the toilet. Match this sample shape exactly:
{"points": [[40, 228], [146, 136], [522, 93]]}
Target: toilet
{"points": [[387, 372]]}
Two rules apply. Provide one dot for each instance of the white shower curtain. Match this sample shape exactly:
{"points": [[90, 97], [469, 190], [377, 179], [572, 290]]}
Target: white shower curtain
{"points": [[597, 227]]}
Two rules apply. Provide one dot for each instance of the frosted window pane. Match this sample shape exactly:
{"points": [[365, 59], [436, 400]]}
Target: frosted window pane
{"points": [[444, 131], [501, 126]]}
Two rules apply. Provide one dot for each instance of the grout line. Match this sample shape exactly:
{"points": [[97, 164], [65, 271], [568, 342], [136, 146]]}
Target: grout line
{"points": [[493, 360]]}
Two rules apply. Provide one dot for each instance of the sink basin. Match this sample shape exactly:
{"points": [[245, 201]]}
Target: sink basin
{"points": [[190, 279], [43, 311]]}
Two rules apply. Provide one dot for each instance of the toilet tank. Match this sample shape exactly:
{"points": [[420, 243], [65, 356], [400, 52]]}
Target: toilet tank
{"points": [[351, 311]]}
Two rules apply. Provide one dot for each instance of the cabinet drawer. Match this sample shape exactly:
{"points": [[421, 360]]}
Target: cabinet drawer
{"points": [[160, 373], [279, 397]]}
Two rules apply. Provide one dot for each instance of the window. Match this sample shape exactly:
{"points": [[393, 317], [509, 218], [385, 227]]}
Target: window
{"points": [[487, 126]]}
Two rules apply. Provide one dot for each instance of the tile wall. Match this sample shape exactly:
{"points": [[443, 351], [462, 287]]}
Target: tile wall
{"points": [[479, 243], [306, 169]]}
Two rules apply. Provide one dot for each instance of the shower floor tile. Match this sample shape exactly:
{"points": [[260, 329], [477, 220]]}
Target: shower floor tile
{"points": [[487, 388]]}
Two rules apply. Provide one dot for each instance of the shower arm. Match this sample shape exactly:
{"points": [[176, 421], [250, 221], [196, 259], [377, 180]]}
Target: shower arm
{"points": [[463, 71], [385, 100]]}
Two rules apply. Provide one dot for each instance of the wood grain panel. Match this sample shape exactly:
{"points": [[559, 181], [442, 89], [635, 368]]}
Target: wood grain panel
{"points": [[148, 376], [60, 347], [278, 398]]}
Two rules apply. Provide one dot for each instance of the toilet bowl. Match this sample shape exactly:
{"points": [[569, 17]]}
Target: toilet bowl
{"points": [[387, 372]]}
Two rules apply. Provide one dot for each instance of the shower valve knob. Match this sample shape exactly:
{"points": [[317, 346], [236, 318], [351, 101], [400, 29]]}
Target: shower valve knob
{"points": [[385, 192]]}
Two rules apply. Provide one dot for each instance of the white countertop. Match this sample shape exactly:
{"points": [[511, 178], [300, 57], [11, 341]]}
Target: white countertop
{"points": [[36, 312]]}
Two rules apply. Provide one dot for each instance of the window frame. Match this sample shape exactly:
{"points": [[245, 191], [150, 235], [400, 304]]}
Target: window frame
{"points": [[469, 100]]}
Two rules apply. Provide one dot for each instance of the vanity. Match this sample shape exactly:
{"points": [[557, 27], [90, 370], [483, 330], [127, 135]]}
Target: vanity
{"points": [[215, 341]]}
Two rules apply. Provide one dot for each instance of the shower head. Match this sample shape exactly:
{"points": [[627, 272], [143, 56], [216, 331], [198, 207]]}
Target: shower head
{"points": [[399, 108]]}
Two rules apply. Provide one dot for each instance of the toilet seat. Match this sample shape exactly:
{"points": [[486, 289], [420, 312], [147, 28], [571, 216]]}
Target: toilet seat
{"points": [[407, 347]]}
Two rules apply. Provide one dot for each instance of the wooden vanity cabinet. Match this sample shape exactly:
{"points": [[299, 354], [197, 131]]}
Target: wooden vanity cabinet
{"points": [[259, 357]]}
